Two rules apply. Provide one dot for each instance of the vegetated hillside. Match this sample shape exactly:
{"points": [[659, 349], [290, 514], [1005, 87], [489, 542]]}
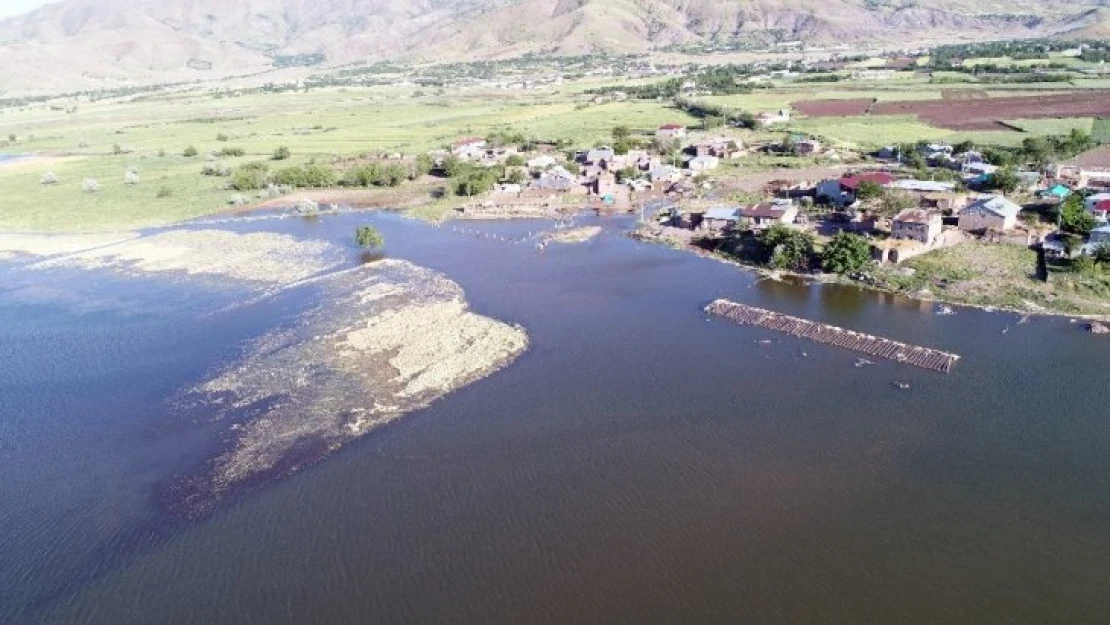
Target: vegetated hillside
{"points": [[82, 43]]}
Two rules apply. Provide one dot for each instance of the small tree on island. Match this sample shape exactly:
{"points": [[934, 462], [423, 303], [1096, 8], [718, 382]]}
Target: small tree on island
{"points": [[846, 253], [368, 237]]}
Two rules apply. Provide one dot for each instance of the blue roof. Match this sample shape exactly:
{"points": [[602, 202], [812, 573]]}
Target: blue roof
{"points": [[996, 204], [722, 212]]}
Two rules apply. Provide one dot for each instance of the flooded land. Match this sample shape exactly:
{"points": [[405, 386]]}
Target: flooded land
{"points": [[509, 422]]}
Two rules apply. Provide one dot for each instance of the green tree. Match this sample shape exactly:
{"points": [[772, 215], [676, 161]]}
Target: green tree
{"points": [[517, 176], [1005, 180], [1074, 216], [281, 154], [424, 166], [620, 133], [868, 190], [368, 237], [787, 248], [515, 160], [846, 253], [189, 152], [894, 202], [250, 176]]}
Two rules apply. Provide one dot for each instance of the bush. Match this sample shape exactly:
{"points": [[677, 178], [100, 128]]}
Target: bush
{"points": [[230, 151], [378, 175], [164, 192], [190, 152], [312, 175], [116, 149], [250, 177], [215, 169], [48, 179], [221, 137], [281, 154], [515, 160], [90, 185], [786, 248], [1074, 217], [868, 190], [131, 178], [305, 206], [368, 237], [846, 253]]}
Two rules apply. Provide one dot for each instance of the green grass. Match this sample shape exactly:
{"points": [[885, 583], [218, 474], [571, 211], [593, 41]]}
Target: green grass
{"points": [[321, 124], [870, 131], [1053, 126], [999, 276]]}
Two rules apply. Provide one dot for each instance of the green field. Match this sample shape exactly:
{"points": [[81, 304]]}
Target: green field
{"points": [[321, 124], [102, 140]]}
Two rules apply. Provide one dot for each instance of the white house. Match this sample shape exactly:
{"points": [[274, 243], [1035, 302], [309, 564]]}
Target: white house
{"points": [[993, 212], [703, 163], [670, 132]]}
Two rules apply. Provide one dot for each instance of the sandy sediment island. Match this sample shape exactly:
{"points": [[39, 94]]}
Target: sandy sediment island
{"points": [[388, 338], [12, 245], [265, 257], [575, 235]]}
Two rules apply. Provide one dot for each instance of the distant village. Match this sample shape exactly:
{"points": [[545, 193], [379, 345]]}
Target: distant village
{"points": [[674, 186]]}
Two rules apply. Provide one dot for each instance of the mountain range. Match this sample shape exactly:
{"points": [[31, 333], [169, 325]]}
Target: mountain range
{"points": [[78, 44]]}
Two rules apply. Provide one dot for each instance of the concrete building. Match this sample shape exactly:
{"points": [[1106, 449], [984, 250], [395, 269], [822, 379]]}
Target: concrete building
{"points": [[993, 212], [918, 225]]}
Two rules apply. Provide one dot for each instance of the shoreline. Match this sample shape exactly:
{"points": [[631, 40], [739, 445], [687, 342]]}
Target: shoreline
{"points": [[828, 278]]}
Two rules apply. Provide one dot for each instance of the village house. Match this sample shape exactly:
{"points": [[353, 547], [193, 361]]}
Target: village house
{"points": [[1099, 236], [601, 157], [470, 148], [721, 148], [842, 192], [542, 161], [918, 225], [991, 213], [769, 118], [640, 160], [807, 147], [932, 194], [665, 174], [670, 132], [767, 214], [1090, 170], [720, 220], [703, 163]]}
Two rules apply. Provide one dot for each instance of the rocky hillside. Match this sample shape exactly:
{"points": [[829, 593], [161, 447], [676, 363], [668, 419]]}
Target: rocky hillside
{"points": [[82, 43]]}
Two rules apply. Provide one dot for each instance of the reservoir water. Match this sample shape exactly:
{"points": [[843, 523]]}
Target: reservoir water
{"points": [[641, 463]]}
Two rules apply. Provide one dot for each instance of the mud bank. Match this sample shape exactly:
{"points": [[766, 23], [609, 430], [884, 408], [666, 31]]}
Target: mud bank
{"points": [[13, 245], [575, 235], [389, 338]]}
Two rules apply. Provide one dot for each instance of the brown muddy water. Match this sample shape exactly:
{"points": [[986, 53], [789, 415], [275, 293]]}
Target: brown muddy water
{"points": [[639, 463]]}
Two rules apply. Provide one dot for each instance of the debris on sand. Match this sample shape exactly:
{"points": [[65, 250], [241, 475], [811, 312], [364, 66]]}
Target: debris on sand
{"points": [[264, 257], [12, 245], [574, 235], [389, 338]]}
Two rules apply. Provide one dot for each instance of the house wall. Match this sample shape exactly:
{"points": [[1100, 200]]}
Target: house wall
{"points": [[976, 222], [923, 233]]}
